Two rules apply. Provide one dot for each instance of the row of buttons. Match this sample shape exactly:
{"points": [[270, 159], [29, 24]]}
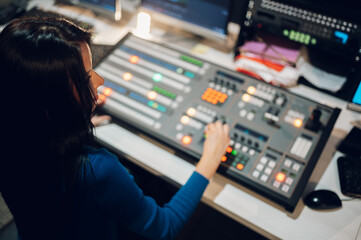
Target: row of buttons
{"points": [[206, 110], [221, 88], [295, 166], [245, 149], [265, 166], [308, 15], [237, 145]]}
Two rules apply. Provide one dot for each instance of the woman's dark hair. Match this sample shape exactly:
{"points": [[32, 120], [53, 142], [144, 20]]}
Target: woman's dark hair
{"points": [[49, 99]]}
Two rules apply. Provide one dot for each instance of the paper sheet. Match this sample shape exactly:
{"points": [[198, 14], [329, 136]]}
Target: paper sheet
{"points": [[318, 77]]}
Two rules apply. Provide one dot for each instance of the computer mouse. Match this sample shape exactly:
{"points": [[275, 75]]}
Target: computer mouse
{"points": [[322, 199]]}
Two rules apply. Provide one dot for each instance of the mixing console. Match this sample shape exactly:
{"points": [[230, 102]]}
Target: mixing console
{"points": [[276, 136]]}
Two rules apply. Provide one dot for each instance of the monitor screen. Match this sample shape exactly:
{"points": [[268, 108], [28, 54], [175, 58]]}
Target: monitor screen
{"points": [[211, 16], [357, 97], [105, 4]]}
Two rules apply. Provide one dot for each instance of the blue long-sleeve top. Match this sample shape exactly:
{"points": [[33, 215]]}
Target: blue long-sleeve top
{"points": [[112, 198]]}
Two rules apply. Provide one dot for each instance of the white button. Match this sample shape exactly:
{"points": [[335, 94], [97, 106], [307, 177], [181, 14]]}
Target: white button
{"points": [[289, 181], [259, 167], [237, 146], [252, 152], [157, 125], [276, 184], [241, 104], [250, 116], [268, 171], [287, 163], [231, 142], [255, 173], [218, 87], [244, 149], [264, 160], [272, 164], [285, 188], [224, 89], [179, 98], [296, 167], [179, 127], [243, 113], [179, 136], [211, 84], [264, 178], [229, 92], [174, 105]]}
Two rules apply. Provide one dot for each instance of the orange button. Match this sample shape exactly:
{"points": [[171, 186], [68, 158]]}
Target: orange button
{"points": [[229, 149], [186, 140], [107, 91], [127, 76], [240, 166], [224, 158], [297, 123], [280, 177], [134, 59]]}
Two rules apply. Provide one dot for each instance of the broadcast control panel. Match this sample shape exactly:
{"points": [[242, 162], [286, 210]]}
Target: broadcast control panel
{"points": [[276, 136]]}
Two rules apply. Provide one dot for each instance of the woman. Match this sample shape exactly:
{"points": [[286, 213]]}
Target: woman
{"points": [[55, 184]]}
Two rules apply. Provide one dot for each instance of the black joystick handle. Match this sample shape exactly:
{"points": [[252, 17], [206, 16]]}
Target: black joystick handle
{"points": [[313, 123]]}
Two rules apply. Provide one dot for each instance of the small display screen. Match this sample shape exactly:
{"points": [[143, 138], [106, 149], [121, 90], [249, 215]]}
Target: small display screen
{"points": [[105, 4], [210, 14], [357, 97]]}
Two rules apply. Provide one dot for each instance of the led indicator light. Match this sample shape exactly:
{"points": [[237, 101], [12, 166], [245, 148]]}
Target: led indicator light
{"points": [[240, 166], [127, 76], [191, 112], [152, 95], [107, 91], [186, 140], [246, 97], [157, 77], [234, 152], [297, 123], [184, 120], [229, 149], [280, 177], [224, 158], [251, 90], [134, 59]]}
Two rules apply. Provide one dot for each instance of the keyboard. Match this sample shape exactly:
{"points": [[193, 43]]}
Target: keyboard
{"points": [[349, 170]]}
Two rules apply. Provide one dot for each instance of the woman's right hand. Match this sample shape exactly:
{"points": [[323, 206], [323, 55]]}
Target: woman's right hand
{"points": [[213, 149]]}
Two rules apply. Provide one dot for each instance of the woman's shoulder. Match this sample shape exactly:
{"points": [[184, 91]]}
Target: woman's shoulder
{"points": [[102, 161]]}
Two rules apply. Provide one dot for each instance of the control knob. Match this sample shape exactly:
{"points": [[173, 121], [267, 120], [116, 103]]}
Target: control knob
{"points": [[313, 123]]}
